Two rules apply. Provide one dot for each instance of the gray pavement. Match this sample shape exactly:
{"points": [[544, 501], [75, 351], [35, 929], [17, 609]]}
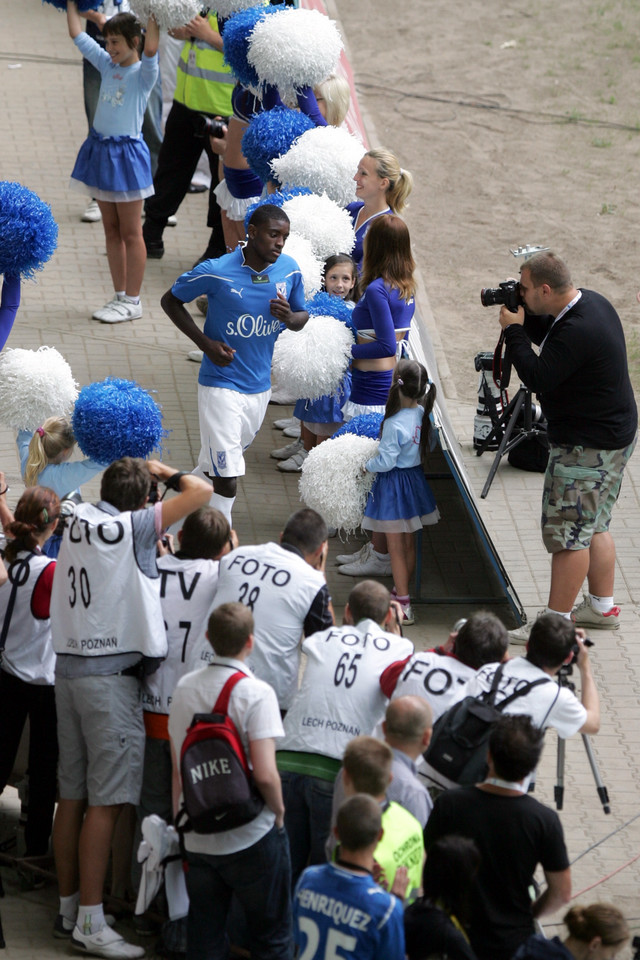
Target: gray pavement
{"points": [[41, 103]]}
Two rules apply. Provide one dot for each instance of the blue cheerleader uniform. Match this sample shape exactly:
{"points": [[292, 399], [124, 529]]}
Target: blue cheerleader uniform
{"points": [[401, 499], [113, 163]]}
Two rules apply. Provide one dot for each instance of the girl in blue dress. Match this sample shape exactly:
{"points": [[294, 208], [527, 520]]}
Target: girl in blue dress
{"points": [[113, 164], [401, 501]]}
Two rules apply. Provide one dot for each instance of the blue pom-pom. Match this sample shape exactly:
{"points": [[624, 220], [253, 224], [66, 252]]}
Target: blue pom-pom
{"points": [[271, 134], [364, 425], [279, 198], [28, 232], [235, 42], [327, 305], [83, 5], [116, 418]]}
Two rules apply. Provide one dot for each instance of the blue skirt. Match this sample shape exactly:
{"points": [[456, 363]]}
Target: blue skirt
{"points": [[326, 409], [400, 501], [114, 169]]}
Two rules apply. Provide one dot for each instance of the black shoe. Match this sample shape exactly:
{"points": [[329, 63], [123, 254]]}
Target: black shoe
{"points": [[155, 251], [196, 188]]}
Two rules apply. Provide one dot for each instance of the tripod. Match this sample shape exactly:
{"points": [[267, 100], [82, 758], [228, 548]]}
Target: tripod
{"points": [[558, 790], [508, 426]]}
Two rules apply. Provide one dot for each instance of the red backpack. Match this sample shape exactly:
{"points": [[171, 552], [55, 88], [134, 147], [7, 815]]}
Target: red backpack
{"points": [[218, 789]]}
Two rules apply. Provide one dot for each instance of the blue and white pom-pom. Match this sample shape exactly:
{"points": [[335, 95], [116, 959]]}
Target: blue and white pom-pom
{"points": [[325, 304], [279, 198], [322, 221], [364, 425], [324, 159], [300, 249], [227, 8], [34, 385], [333, 483], [235, 43], [313, 361], [83, 6], [116, 418], [168, 13], [271, 134], [294, 49], [28, 232]]}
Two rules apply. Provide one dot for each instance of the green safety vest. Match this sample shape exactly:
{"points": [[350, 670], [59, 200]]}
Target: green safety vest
{"points": [[204, 82], [401, 845]]}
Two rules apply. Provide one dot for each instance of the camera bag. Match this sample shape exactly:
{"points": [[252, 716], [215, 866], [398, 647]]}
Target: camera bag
{"points": [[218, 789], [458, 746]]}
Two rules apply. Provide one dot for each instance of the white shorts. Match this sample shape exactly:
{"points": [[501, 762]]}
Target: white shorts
{"points": [[229, 422]]}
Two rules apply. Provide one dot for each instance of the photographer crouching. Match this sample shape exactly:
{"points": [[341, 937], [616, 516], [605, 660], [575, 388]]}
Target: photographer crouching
{"points": [[582, 382]]}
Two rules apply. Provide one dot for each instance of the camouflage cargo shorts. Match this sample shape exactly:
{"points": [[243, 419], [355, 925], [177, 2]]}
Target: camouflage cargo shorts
{"points": [[581, 486]]}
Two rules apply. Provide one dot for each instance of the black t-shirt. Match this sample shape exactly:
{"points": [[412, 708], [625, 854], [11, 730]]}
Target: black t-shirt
{"points": [[581, 376], [513, 835], [428, 931]]}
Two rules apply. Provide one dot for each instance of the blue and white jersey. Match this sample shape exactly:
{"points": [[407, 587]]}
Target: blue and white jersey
{"points": [[239, 315], [340, 914]]}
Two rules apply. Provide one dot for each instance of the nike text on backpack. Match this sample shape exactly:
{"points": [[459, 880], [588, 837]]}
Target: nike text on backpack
{"points": [[217, 785]]}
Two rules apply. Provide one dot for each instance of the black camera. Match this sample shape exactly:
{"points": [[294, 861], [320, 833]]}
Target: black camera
{"points": [[507, 293], [214, 128]]}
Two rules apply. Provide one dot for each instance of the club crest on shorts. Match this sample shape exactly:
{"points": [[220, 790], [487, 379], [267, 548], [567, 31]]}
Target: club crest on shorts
{"points": [[221, 458], [281, 288]]}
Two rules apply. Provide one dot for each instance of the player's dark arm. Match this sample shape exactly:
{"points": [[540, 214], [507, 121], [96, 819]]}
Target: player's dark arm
{"points": [[218, 352], [292, 319]]}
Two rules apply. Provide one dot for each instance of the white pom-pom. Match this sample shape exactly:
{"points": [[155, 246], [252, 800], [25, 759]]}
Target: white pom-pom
{"points": [[294, 49], [34, 385], [325, 160], [226, 8], [168, 13], [314, 360], [300, 249], [333, 483], [323, 222]]}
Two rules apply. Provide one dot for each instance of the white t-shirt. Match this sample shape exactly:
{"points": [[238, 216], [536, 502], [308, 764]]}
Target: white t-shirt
{"points": [[439, 679], [340, 696], [548, 705], [254, 710], [186, 596], [279, 586]]}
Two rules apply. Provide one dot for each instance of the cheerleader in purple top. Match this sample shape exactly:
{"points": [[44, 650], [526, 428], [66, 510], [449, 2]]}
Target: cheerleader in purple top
{"points": [[382, 186], [401, 501]]}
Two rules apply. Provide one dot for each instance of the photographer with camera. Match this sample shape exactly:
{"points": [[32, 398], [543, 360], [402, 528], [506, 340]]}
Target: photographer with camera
{"points": [[582, 381]]}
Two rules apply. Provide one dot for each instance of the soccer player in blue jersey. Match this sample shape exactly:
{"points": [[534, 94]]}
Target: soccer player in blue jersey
{"points": [[253, 293], [338, 909]]}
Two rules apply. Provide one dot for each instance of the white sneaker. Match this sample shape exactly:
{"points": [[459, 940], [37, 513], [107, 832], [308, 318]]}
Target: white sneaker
{"points": [[294, 463], [292, 431], [195, 355], [172, 221], [105, 943], [92, 213], [520, 636], [369, 566], [286, 422], [408, 617], [97, 314], [283, 453], [119, 311], [584, 615], [360, 554]]}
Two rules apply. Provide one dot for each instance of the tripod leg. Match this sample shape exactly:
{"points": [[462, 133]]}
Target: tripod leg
{"points": [[558, 790], [600, 787], [517, 406]]}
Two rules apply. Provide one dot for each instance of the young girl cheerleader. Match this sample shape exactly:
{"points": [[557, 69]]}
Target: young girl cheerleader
{"points": [[401, 500], [113, 164], [321, 418]]}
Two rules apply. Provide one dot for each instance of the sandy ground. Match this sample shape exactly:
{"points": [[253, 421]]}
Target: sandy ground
{"points": [[520, 123]]}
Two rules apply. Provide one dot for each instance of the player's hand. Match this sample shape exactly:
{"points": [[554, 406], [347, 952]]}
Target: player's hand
{"points": [[280, 308], [220, 353], [506, 317]]}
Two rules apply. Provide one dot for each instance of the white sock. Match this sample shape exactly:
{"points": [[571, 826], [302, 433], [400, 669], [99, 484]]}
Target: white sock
{"points": [[560, 613], [223, 504], [601, 604], [120, 294], [90, 919], [381, 556], [130, 299], [69, 907]]}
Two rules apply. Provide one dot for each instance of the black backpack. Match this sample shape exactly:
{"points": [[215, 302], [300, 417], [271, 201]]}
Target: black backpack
{"points": [[458, 746], [218, 789]]}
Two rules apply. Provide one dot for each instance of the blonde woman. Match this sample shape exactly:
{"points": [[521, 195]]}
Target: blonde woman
{"points": [[382, 186]]}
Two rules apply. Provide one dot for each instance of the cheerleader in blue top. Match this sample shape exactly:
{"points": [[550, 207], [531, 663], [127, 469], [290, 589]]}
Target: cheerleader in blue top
{"points": [[401, 500], [113, 164]]}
